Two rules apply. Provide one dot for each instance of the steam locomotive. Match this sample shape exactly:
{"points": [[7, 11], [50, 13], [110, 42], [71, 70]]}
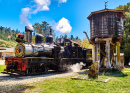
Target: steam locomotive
{"points": [[40, 57]]}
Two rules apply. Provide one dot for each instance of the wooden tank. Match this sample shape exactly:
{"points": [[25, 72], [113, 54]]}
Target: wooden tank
{"points": [[106, 23]]}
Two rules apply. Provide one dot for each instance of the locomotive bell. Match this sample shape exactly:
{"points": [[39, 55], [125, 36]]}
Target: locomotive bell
{"points": [[28, 30]]}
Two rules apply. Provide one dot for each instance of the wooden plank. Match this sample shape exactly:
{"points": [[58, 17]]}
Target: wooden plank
{"points": [[108, 65], [118, 53]]}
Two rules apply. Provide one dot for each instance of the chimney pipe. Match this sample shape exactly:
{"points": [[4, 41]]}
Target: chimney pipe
{"points": [[28, 31]]}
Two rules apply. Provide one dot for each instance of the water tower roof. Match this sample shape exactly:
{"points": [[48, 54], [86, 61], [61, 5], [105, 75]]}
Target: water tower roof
{"points": [[106, 10]]}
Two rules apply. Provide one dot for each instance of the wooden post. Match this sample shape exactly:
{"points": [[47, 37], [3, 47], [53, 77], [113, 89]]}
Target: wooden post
{"points": [[108, 65], [118, 53], [98, 52], [93, 54]]}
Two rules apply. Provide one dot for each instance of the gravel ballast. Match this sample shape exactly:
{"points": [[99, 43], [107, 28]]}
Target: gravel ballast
{"points": [[8, 84]]}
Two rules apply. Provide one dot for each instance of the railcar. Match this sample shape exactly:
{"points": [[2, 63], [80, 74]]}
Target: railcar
{"points": [[40, 57]]}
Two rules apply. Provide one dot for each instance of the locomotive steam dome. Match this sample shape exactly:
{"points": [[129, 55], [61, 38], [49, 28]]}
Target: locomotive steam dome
{"points": [[39, 39], [106, 23], [49, 39]]}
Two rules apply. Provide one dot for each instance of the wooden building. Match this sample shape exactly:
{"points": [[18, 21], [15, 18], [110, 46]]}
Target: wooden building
{"points": [[6, 52]]}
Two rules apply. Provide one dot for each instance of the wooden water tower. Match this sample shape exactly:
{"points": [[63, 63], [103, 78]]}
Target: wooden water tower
{"points": [[106, 33]]}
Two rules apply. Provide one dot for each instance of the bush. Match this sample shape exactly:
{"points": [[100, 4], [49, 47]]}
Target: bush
{"points": [[7, 44]]}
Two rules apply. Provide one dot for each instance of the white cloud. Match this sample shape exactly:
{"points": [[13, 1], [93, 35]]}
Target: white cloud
{"points": [[62, 1], [24, 15], [64, 26], [41, 5]]}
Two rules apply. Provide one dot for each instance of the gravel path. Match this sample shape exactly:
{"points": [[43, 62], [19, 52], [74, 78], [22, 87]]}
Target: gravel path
{"points": [[8, 84]]}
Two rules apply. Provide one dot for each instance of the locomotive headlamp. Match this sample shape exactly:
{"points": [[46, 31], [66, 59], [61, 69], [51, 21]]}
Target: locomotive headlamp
{"points": [[19, 35]]}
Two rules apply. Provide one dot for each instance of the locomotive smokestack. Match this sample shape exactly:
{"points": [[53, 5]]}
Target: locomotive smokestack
{"points": [[28, 30]]}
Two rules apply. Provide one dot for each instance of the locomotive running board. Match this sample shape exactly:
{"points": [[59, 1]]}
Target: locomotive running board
{"points": [[11, 72]]}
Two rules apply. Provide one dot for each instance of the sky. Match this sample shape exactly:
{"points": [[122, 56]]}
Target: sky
{"points": [[65, 16]]}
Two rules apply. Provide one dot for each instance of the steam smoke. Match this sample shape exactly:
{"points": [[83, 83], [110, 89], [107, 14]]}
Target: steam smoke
{"points": [[24, 15], [64, 26], [76, 67]]}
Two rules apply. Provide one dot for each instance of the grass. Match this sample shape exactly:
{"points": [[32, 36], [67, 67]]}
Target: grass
{"points": [[117, 83], [2, 67]]}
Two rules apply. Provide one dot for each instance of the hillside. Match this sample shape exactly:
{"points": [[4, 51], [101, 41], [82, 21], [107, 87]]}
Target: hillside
{"points": [[5, 32], [7, 44]]}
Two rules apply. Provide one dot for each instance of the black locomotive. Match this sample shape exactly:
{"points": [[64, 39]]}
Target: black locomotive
{"points": [[40, 57]]}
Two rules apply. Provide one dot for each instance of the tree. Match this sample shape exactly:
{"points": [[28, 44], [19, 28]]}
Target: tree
{"points": [[43, 29], [77, 38], [125, 46], [71, 37], [38, 28], [86, 44], [65, 36]]}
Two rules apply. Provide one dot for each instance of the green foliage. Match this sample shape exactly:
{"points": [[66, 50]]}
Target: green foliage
{"points": [[117, 83], [7, 44], [86, 44], [5, 32], [2, 67], [43, 29], [126, 41]]}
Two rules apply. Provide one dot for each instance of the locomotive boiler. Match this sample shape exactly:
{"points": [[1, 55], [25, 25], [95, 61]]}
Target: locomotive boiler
{"points": [[39, 49], [40, 57]]}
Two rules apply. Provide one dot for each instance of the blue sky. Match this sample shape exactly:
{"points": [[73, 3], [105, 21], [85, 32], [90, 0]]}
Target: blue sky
{"points": [[64, 15]]}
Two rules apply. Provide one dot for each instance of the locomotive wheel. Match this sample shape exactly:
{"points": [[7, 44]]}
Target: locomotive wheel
{"points": [[62, 66], [36, 69], [45, 69]]}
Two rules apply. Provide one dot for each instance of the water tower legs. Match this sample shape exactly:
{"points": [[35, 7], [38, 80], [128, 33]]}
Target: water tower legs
{"points": [[118, 54], [98, 52], [93, 53], [108, 64], [103, 52]]}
